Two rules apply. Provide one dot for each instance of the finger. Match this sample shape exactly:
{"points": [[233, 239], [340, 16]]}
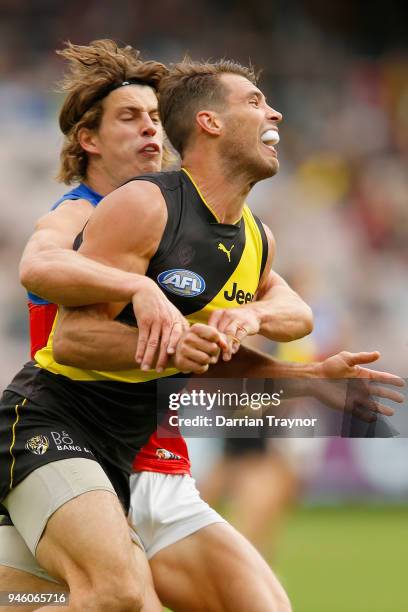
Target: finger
{"points": [[210, 333], [199, 369], [175, 335], [214, 359], [210, 348], [353, 359], [163, 353], [363, 414], [189, 366], [227, 353], [382, 377], [235, 347], [385, 410], [228, 324], [206, 332], [387, 393], [215, 318], [152, 345], [241, 332], [144, 333], [196, 356], [373, 406]]}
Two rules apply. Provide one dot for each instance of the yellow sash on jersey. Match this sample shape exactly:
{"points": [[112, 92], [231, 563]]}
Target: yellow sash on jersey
{"points": [[246, 277]]}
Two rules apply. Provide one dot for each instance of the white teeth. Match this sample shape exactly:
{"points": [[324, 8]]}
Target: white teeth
{"points": [[270, 137]]}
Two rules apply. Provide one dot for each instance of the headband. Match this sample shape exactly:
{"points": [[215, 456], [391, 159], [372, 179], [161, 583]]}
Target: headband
{"points": [[105, 91]]}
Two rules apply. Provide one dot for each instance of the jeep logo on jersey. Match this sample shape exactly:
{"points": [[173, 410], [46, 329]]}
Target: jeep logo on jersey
{"points": [[182, 282]]}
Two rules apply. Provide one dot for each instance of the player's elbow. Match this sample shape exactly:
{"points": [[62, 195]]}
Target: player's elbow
{"points": [[33, 273], [26, 274], [300, 324], [306, 322]]}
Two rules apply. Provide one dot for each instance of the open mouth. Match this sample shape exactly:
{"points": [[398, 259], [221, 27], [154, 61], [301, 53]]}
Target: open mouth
{"points": [[150, 149], [270, 138]]}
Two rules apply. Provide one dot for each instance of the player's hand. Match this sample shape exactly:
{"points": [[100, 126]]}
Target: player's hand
{"points": [[236, 324], [349, 365], [160, 326], [198, 348], [363, 389]]}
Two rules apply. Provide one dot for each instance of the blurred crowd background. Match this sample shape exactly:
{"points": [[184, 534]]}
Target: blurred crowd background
{"points": [[338, 71]]}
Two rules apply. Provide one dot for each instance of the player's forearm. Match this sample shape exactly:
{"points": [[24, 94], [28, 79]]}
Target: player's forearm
{"points": [[300, 378], [250, 363], [66, 277], [283, 315], [94, 344]]}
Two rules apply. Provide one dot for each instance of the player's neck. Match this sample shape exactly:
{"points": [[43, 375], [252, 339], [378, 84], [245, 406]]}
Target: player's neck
{"points": [[225, 194], [99, 181]]}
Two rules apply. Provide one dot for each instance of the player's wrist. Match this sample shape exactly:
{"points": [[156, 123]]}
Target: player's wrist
{"points": [[138, 283], [258, 311]]}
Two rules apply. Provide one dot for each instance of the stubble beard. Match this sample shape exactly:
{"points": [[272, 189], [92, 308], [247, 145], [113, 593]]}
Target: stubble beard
{"points": [[237, 161]]}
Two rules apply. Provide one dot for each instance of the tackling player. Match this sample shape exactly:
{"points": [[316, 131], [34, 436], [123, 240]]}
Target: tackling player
{"points": [[213, 541]]}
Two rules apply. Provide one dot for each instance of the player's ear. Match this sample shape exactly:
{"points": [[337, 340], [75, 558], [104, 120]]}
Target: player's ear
{"points": [[209, 121], [88, 141]]}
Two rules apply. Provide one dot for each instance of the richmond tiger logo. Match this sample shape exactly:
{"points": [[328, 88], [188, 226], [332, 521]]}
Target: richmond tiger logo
{"points": [[38, 444], [162, 453]]}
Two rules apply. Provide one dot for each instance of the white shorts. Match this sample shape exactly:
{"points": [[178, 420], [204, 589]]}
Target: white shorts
{"points": [[166, 508]]}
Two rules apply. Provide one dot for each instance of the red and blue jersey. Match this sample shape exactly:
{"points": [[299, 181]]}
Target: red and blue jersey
{"points": [[41, 312], [169, 456]]}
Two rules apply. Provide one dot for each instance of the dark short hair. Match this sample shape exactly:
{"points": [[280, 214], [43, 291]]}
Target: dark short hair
{"points": [[187, 88]]}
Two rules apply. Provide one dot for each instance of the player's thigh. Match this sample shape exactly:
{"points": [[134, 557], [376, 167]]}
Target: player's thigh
{"points": [[13, 580], [21, 573], [216, 569], [89, 532], [86, 541]]}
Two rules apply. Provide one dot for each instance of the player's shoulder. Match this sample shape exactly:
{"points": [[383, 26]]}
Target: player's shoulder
{"points": [[134, 206], [79, 194], [68, 212], [168, 180]]}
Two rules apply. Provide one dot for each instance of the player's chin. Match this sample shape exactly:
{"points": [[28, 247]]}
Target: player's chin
{"points": [[274, 165], [153, 165], [270, 167]]}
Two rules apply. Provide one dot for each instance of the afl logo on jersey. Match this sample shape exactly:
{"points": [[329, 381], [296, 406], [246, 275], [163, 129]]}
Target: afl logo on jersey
{"points": [[182, 282]]}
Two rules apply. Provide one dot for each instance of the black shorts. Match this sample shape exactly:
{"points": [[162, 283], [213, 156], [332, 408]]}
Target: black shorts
{"points": [[30, 439], [46, 417]]}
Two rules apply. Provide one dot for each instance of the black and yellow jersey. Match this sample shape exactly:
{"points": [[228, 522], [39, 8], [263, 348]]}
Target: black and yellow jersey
{"points": [[200, 264]]}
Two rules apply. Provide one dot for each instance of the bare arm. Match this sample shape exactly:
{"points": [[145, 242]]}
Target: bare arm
{"points": [[51, 269], [95, 342], [282, 313], [277, 313], [88, 338], [124, 232]]}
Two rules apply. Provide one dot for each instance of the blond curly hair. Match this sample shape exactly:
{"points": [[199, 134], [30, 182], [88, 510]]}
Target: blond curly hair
{"points": [[92, 72]]}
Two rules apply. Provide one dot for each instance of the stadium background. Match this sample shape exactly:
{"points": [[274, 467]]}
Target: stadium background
{"points": [[339, 210]]}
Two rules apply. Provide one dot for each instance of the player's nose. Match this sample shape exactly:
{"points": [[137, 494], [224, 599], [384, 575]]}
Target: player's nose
{"points": [[149, 128], [274, 115]]}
